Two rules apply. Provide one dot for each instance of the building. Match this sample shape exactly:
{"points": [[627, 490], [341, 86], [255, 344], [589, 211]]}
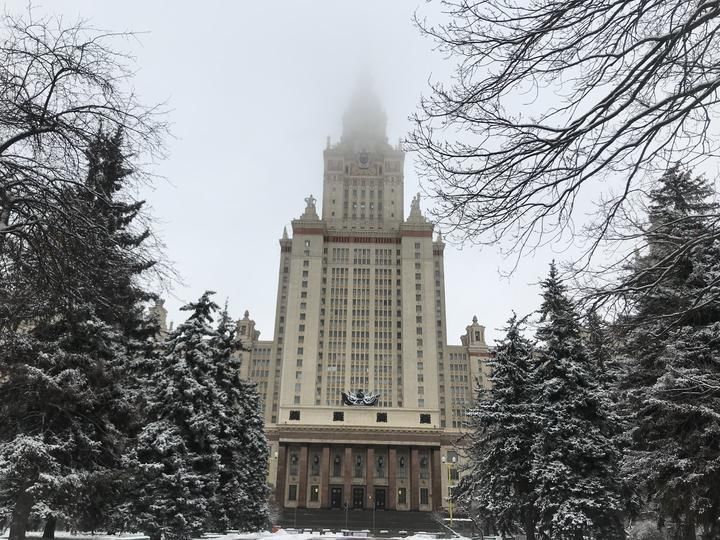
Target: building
{"points": [[361, 310]]}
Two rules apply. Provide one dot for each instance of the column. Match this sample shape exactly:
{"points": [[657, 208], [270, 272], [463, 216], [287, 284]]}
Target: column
{"points": [[370, 477], [281, 473], [436, 478], [347, 476], [325, 477], [392, 477], [414, 477], [302, 484]]}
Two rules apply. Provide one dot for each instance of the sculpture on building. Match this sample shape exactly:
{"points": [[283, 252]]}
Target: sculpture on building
{"points": [[360, 398]]}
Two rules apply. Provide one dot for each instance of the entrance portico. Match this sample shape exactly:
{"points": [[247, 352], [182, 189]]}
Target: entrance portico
{"points": [[359, 471]]}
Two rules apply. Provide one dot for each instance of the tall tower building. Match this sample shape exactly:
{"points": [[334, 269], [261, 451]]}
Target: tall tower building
{"points": [[364, 399]]}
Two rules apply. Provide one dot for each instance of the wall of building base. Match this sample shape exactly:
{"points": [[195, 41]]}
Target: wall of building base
{"points": [[364, 476]]}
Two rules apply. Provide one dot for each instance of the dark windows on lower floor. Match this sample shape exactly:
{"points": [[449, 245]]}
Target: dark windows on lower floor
{"points": [[292, 492], [402, 496], [424, 496], [314, 493]]}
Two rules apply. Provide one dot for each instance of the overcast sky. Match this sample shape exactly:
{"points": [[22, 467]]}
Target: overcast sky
{"points": [[254, 89]]}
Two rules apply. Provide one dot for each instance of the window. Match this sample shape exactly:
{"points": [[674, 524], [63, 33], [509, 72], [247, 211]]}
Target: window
{"points": [[402, 496], [294, 459], [307, 243], [381, 417], [358, 471], [424, 496], [337, 465], [338, 416], [402, 467], [424, 467], [315, 465], [294, 415], [314, 493], [380, 466], [424, 418], [292, 492]]}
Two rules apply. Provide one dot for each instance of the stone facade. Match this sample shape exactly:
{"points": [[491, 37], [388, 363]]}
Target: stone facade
{"points": [[361, 307]]}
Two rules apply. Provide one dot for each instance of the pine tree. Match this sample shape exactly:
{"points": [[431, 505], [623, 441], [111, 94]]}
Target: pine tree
{"points": [[670, 355], [65, 358], [497, 487], [241, 498], [575, 472], [177, 450]]}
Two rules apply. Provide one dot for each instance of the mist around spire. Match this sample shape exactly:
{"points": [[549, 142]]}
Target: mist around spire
{"points": [[365, 119]]}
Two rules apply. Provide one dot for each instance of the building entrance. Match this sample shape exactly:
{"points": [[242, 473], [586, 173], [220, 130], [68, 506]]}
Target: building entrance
{"points": [[358, 497], [336, 497], [379, 499]]}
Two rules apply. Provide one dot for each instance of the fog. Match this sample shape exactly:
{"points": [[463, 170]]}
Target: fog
{"points": [[253, 90]]}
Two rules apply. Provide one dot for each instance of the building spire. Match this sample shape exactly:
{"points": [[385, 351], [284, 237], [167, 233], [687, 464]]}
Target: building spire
{"points": [[364, 120]]}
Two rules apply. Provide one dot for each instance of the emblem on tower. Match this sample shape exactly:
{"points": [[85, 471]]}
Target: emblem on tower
{"points": [[359, 398]]}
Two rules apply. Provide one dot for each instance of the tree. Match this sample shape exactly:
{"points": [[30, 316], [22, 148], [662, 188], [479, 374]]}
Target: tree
{"points": [[65, 358], [556, 104], [670, 358], [497, 487], [575, 460], [241, 499], [61, 416], [59, 85], [176, 456]]}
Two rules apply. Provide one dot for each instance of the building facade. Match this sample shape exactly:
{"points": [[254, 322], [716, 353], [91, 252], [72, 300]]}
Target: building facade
{"points": [[364, 398]]}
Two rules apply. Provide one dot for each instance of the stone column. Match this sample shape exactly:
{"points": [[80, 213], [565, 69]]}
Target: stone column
{"points": [[281, 473], [370, 477], [302, 484], [414, 485], [325, 477], [436, 479], [347, 476], [392, 477]]}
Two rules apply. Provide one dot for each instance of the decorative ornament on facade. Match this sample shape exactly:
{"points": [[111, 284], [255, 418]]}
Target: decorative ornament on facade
{"points": [[360, 399]]}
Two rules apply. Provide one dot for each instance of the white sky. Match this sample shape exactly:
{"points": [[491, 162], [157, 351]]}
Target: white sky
{"points": [[254, 89]]}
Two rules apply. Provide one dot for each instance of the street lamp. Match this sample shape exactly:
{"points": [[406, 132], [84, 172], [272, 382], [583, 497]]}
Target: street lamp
{"points": [[373, 514]]}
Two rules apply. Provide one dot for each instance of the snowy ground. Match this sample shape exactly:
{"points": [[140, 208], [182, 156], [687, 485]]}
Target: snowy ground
{"points": [[282, 534]]}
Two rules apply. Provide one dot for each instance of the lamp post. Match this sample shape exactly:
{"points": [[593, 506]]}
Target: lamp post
{"points": [[373, 512]]}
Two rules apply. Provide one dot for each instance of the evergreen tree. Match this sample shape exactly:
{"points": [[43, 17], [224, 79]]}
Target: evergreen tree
{"points": [[177, 455], [497, 487], [670, 355], [575, 471], [65, 358], [241, 498]]}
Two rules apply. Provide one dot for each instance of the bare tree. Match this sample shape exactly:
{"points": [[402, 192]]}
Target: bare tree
{"points": [[59, 85], [551, 98]]}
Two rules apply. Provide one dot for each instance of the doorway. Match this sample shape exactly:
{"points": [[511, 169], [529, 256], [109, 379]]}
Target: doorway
{"points": [[358, 498], [379, 498], [336, 497]]}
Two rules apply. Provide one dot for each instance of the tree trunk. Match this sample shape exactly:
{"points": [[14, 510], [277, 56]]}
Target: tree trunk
{"points": [[530, 528], [20, 516], [49, 530], [689, 532]]}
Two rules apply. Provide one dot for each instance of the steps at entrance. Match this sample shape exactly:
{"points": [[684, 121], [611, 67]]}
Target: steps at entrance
{"points": [[385, 520]]}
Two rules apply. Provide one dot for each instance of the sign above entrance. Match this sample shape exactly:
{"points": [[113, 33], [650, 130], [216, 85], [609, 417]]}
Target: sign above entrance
{"points": [[359, 398]]}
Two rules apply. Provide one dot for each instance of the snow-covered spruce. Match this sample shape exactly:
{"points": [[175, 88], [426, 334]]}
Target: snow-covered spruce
{"points": [[670, 358], [496, 488], [202, 456], [575, 459]]}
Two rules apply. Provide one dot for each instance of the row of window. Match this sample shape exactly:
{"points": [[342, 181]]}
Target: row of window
{"points": [[401, 494]]}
